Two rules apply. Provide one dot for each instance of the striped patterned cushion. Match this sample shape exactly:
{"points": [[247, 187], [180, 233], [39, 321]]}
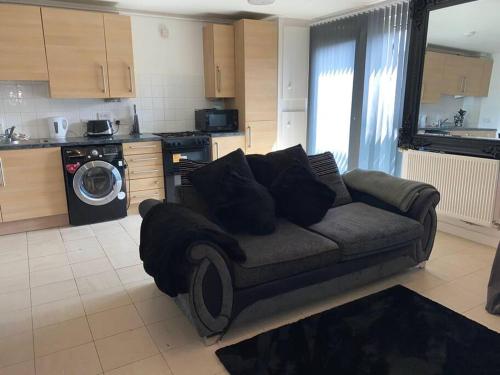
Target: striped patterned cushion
{"points": [[323, 164], [186, 167]]}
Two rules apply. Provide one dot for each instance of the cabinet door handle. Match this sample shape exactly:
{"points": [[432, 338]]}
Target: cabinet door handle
{"points": [[2, 175], [219, 74], [465, 85], [462, 88], [145, 146], [142, 159], [103, 79], [249, 137], [216, 150], [131, 86]]}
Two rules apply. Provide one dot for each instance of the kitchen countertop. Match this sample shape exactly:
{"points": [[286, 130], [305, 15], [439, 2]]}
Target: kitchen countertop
{"points": [[77, 141], [227, 134]]}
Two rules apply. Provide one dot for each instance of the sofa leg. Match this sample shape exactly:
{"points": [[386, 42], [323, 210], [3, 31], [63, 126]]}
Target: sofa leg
{"points": [[212, 339], [421, 265]]}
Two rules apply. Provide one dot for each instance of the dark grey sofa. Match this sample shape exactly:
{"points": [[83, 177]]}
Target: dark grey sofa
{"points": [[354, 244]]}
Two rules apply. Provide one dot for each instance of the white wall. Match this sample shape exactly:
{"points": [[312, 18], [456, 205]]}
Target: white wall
{"points": [[169, 81]]}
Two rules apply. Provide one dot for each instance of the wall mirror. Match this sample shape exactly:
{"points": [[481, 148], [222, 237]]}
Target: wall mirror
{"points": [[452, 100]]}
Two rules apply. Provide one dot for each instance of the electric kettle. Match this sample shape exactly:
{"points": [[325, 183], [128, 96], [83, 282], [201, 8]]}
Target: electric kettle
{"points": [[58, 127]]}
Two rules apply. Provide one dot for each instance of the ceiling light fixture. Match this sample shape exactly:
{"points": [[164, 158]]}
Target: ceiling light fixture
{"points": [[261, 2]]}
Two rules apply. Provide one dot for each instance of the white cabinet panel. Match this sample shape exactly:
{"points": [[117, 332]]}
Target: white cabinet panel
{"points": [[295, 62], [293, 129]]}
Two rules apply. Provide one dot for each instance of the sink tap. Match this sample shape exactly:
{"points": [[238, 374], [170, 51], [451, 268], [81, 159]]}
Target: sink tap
{"points": [[9, 132], [442, 122]]}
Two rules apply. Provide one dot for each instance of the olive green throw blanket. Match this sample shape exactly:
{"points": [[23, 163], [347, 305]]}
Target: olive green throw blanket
{"points": [[398, 192]]}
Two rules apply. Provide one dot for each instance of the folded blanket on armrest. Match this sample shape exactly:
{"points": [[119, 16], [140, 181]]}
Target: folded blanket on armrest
{"points": [[167, 232], [395, 191]]}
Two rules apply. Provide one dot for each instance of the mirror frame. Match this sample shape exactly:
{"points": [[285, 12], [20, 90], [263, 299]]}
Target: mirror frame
{"points": [[408, 134]]}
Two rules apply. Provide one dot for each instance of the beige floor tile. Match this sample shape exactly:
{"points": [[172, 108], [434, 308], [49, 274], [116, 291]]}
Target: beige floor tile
{"points": [[143, 290], [80, 360], [111, 241], [155, 365], [133, 274], [157, 309], [480, 315], [23, 368], [15, 349], [91, 267], [193, 359], [121, 248], [475, 283], [12, 240], [18, 267], [44, 235], [49, 261], [13, 254], [82, 244], [57, 312], [420, 280], [108, 228], [15, 322], [84, 255], [126, 259], [125, 348], [51, 275], [105, 300], [17, 300], [173, 333], [61, 336], [53, 292], [40, 249], [98, 282], [447, 271], [453, 297], [76, 233], [14, 283], [111, 322]]}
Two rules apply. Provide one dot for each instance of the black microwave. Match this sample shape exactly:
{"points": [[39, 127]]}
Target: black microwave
{"points": [[216, 120]]}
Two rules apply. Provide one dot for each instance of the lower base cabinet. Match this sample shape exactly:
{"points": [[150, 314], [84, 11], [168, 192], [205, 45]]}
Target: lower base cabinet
{"points": [[31, 184], [223, 145], [260, 137]]}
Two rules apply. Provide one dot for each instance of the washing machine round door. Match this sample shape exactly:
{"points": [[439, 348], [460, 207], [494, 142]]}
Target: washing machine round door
{"points": [[97, 183]]}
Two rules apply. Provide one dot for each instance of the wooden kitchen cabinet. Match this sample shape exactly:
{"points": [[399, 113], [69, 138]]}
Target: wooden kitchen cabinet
{"points": [[22, 48], [433, 77], [31, 184], [76, 53], [218, 60], [120, 56], [223, 145], [466, 76], [144, 173], [260, 137]]}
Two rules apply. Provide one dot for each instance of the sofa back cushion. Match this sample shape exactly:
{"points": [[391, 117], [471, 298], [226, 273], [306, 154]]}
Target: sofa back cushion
{"points": [[325, 167]]}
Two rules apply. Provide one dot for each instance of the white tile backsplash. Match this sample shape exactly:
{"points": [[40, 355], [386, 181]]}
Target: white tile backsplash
{"points": [[164, 103]]}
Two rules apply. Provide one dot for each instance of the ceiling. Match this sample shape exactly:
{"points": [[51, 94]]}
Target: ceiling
{"points": [[450, 26], [302, 9]]}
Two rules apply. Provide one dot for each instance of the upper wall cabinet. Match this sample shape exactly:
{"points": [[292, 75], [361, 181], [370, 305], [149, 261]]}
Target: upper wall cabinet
{"points": [[218, 58], [120, 56], [22, 49], [89, 54], [76, 53]]}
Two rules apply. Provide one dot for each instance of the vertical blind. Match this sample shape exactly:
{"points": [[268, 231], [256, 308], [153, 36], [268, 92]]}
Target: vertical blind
{"points": [[377, 55]]}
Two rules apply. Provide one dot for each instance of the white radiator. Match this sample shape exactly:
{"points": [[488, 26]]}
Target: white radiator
{"points": [[469, 186]]}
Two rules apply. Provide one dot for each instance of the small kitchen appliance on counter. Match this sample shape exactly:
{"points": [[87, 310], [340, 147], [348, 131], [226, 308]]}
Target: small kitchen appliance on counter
{"points": [[58, 127], [96, 128], [216, 120]]}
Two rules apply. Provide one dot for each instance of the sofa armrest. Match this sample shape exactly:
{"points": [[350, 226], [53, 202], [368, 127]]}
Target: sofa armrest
{"points": [[210, 295]]}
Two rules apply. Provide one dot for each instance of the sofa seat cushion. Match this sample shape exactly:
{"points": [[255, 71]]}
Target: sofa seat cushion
{"points": [[288, 251], [361, 229]]}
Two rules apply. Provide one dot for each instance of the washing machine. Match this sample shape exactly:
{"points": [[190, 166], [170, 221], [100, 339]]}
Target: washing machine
{"points": [[95, 183]]}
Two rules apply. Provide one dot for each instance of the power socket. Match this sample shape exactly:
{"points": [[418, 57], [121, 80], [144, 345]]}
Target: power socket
{"points": [[105, 115]]}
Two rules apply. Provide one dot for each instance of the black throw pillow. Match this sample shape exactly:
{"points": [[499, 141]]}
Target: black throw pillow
{"points": [[235, 200], [300, 196], [247, 208], [267, 167]]}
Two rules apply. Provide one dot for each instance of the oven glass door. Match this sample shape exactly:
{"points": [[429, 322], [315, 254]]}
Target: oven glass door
{"points": [[97, 183], [172, 158]]}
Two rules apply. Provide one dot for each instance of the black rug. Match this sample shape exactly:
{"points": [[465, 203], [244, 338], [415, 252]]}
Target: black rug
{"points": [[396, 331]]}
